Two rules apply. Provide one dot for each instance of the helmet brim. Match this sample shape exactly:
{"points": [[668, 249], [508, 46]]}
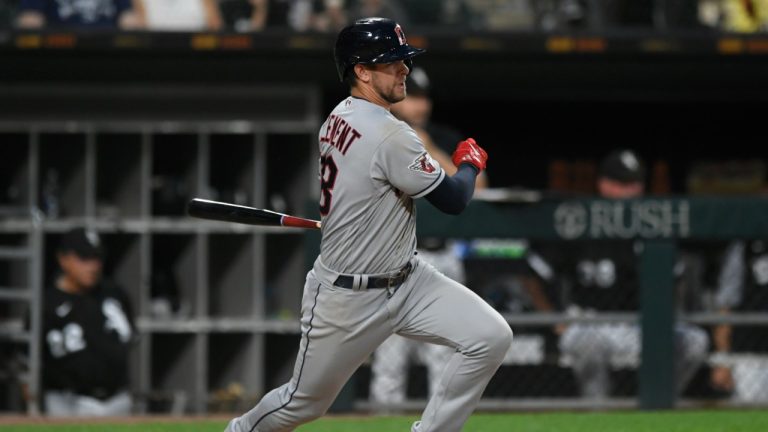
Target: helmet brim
{"points": [[403, 52]]}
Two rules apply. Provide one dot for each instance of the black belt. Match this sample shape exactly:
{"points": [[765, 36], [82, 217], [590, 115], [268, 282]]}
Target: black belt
{"points": [[361, 282]]}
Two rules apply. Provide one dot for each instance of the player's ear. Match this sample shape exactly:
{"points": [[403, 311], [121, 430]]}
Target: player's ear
{"points": [[362, 73]]}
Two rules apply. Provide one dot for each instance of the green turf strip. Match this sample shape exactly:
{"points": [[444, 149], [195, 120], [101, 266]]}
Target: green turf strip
{"points": [[688, 421]]}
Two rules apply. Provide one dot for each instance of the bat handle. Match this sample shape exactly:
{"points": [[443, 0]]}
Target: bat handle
{"points": [[292, 221]]}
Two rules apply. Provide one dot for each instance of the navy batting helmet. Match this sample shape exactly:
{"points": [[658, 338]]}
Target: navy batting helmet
{"points": [[371, 41]]}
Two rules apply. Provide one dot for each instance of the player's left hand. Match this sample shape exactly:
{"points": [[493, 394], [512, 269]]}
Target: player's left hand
{"points": [[469, 152]]}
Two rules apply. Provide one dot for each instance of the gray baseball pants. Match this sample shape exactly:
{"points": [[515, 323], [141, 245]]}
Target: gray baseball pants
{"points": [[341, 328]]}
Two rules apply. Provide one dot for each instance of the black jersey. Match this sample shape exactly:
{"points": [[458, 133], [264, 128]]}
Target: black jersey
{"points": [[86, 340], [600, 275], [755, 296], [751, 295]]}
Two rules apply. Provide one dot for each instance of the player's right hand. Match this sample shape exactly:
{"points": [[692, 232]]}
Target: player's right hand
{"points": [[469, 152], [721, 378]]}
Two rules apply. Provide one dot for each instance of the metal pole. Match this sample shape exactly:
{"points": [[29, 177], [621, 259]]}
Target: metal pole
{"points": [[657, 297]]}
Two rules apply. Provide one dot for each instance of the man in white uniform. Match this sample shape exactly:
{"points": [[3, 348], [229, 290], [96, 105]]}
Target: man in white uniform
{"points": [[367, 282]]}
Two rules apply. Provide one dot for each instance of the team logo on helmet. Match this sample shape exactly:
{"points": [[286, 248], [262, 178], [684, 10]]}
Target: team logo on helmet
{"points": [[423, 164], [400, 34]]}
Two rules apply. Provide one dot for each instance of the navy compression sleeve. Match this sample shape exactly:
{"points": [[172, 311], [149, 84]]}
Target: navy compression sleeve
{"points": [[453, 193]]}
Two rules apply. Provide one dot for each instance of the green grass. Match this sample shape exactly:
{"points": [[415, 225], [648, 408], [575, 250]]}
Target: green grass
{"points": [[681, 421]]}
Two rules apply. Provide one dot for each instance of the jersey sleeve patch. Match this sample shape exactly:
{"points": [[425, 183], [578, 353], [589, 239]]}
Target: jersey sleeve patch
{"points": [[406, 165], [423, 163]]}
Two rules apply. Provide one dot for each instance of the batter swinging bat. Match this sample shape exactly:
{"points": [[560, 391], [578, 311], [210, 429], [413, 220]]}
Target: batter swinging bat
{"points": [[221, 211]]}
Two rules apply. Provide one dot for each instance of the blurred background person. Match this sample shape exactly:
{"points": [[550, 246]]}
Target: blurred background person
{"points": [[601, 276], [179, 15], [88, 332], [491, 15], [614, 14], [331, 16], [391, 9], [740, 358], [744, 16], [416, 110], [297, 15], [438, 13], [76, 14], [737, 16], [257, 15]]}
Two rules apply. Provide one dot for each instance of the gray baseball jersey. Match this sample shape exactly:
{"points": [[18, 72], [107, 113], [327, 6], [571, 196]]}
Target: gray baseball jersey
{"points": [[372, 165]]}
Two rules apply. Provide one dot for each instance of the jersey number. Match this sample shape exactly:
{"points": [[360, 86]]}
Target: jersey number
{"points": [[328, 172], [68, 340]]}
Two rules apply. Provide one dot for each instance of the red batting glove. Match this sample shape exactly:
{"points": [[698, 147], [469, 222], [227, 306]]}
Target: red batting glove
{"points": [[469, 152]]}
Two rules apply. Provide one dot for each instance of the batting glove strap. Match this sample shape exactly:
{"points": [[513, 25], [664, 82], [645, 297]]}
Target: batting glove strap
{"points": [[469, 152]]}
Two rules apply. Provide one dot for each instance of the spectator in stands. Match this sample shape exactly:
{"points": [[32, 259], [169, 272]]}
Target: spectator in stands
{"points": [[298, 15], [332, 17], [257, 15], [87, 333], [601, 276], [740, 360], [179, 15], [75, 14], [563, 14], [499, 15], [611, 14], [378, 8], [453, 13], [739, 16]]}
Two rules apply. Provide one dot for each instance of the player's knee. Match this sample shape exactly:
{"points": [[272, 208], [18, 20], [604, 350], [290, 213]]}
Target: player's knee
{"points": [[314, 411], [499, 342], [695, 344], [304, 409]]}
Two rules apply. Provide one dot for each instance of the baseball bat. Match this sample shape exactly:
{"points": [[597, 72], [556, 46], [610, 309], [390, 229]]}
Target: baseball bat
{"points": [[221, 211]]}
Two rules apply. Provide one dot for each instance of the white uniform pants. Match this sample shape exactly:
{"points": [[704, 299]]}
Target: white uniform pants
{"points": [[68, 404], [593, 349], [389, 368]]}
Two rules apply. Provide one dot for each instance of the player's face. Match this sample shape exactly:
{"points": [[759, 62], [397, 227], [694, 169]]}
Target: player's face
{"points": [[388, 80], [85, 272], [618, 190]]}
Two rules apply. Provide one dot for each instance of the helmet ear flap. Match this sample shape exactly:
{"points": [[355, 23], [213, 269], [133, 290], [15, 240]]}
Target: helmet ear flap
{"points": [[409, 64]]}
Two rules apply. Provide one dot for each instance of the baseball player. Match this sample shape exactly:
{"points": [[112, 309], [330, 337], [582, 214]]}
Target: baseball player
{"points": [[88, 331], [367, 282], [742, 286], [601, 275]]}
